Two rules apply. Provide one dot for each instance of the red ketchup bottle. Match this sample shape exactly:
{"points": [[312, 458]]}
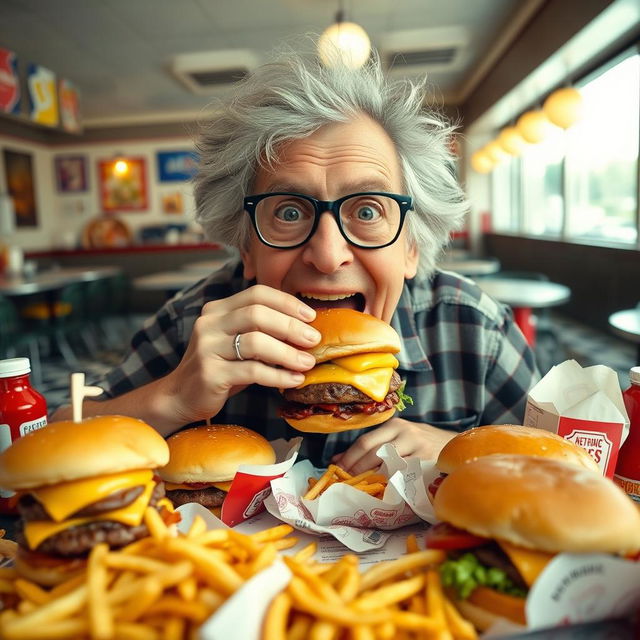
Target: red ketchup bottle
{"points": [[627, 473], [22, 409]]}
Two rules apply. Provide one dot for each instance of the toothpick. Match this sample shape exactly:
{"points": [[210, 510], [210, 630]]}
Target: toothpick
{"points": [[78, 392]]}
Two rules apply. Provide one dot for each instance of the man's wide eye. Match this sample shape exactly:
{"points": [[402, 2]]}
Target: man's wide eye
{"points": [[366, 213], [288, 214]]}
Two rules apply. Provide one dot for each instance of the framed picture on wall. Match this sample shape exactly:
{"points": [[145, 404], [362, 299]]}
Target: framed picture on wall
{"points": [[20, 183], [176, 166], [123, 184], [71, 174]]}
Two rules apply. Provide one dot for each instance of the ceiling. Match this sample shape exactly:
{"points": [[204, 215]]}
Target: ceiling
{"points": [[119, 52]]}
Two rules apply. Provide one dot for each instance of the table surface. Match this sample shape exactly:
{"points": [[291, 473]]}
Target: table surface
{"points": [[626, 323], [203, 267], [470, 266], [534, 294], [53, 279], [167, 280]]}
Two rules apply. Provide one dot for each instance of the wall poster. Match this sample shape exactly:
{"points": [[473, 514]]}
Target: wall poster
{"points": [[123, 184], [18, 169], [176, 166], [43, 97], [69, 106], [71, 174], [9, 83]]}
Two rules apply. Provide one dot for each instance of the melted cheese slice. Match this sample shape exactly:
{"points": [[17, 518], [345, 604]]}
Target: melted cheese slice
{"points": [[61, 500], [529, 563], [38, 530], [223, 486], [365, 361], [374, 382]]}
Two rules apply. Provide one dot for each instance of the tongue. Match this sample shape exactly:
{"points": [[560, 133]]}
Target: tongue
{"points": [[352, 302]]}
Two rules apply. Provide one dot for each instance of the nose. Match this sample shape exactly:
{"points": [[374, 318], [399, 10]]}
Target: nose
{"points": [[327, 250]]}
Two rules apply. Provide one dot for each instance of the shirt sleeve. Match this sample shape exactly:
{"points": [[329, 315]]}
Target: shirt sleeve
{"points": [[510, 377]]}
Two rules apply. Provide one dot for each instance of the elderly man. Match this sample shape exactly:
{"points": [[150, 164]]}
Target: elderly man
{"points": [[338, 189]]}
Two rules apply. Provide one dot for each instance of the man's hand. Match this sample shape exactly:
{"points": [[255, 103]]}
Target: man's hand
{"points": [[409, 438], [273, 335]]}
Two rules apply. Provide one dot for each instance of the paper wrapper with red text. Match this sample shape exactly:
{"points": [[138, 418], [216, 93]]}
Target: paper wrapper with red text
{"points": [[584, 406]]}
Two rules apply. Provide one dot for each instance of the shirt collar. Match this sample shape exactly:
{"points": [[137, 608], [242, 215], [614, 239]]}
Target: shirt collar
{"points": [[412, 356]]}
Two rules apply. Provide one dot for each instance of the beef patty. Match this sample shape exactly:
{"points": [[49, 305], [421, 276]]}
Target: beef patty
{"points": [[331, 392], [208, 498]]}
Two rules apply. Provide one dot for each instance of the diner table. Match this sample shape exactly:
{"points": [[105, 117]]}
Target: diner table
{"points": [[470, 266], [204, 267], [52, 279], [168, 281], [626, 324], [523, 296]]}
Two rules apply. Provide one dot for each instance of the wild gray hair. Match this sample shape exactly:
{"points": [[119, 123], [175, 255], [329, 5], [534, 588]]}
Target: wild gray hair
{"points": [[294, 96]]}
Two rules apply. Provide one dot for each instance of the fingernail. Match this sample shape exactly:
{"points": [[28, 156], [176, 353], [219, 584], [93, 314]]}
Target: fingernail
{"points": [[311, 334], [307, 312]]}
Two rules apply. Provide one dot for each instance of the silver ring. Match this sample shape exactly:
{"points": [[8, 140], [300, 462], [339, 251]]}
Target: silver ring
{"points": [[236, 346]]}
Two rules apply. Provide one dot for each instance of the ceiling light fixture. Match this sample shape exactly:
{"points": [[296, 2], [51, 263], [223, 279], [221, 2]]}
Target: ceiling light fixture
{"points": [[344, 42]]}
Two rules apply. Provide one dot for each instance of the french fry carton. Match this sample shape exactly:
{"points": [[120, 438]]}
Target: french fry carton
{"points": [[252, 483], [584, 406]]}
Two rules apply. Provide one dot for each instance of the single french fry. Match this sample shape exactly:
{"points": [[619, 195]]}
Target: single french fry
{"points": [[306, 553], [198, 527], [461, 629], [321, 587], [377, 477], [391, 568], [434, 599], [360, 477], [157, 528], [340, 472], [285, 543], [100, 615], [274, 533], [371, 489], [30, 591], [349, 583], [263, 559], [415, 622], [139, 564], [389, 594], [275, 622], [54, 630], [66, 587], [171, 605], [213, 537], [187, 588], [148, 592], [311, 482], [412, 543]]}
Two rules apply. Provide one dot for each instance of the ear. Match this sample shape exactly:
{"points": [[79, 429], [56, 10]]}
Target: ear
{"points": [[411, 260], [249, 264]]}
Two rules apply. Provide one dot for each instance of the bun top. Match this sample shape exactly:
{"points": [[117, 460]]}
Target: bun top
{"points": [[214, 453], [540, 504], [511, 438], [347, 332], [66, 450]]}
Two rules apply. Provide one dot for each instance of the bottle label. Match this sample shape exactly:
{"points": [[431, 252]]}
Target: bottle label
{"points": [[32, 425], [630, 486]]}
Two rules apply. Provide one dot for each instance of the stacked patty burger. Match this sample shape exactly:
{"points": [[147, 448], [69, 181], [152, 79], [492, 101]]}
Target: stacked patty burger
{"points": [[80, 484], [508, 438], [204, 460], [354, 383], [504, 517]]}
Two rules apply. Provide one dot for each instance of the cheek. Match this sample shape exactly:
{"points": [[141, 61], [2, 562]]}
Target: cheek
{"points": [[268, 266]]}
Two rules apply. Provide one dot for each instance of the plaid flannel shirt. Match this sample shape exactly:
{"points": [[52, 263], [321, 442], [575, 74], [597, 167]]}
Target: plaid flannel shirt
{"points": [[464, 360]]}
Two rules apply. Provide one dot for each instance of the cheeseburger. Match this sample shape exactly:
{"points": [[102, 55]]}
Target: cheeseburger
{"points": [[204, 460], [504, 517], [81, 484], [508, 438], [354, 383]]}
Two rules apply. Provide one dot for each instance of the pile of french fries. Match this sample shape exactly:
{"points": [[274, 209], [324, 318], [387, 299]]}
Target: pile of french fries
{"points": [[397, 599], [162, 587], [369, 481]]}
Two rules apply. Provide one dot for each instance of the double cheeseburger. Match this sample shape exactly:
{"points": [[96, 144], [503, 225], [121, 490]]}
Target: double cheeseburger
{"points": [[204, 460], [508, 438], [354, 383], [81, 484], [504, 517]]}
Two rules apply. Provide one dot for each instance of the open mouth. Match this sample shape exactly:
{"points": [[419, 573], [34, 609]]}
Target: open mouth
{"points": [[331, 301]]}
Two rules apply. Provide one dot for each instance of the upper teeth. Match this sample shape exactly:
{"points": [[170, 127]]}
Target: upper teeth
{"points": [[327, 296]]}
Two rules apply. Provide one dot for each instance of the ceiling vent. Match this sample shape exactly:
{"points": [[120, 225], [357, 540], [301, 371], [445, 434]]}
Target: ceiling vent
{"points": [[205, 71], [422, 50]]}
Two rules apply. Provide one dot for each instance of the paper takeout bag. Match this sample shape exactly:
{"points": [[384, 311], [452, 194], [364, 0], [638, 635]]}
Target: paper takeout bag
{"points": [[252, 483], [584, 406]]}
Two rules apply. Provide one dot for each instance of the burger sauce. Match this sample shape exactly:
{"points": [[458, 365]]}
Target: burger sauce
{"points": [[627, 473], [22, 409]]}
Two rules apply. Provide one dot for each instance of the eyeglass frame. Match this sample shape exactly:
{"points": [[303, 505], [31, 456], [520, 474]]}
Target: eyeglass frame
{"points": [[324, 206]]}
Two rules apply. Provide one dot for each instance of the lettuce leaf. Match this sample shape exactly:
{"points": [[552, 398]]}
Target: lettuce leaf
{"points": [[404, 398]]}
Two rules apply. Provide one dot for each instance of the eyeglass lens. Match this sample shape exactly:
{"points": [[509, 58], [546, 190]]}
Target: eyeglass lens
{"points": [[367, 220]]}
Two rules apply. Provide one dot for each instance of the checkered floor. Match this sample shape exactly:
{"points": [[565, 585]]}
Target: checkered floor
{"points": [[566, 340]]}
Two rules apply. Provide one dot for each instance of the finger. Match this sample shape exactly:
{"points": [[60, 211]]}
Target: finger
{"points": [[363, 450], [266, 296], [228, 376], [259, 346]]}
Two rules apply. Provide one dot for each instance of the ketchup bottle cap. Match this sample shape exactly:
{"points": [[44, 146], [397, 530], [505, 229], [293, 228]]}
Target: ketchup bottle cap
{"points": [[634, 375], [14, 367]]}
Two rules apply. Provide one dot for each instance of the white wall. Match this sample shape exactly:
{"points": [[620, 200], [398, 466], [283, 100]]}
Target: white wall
{"points": [[61, 217]]}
